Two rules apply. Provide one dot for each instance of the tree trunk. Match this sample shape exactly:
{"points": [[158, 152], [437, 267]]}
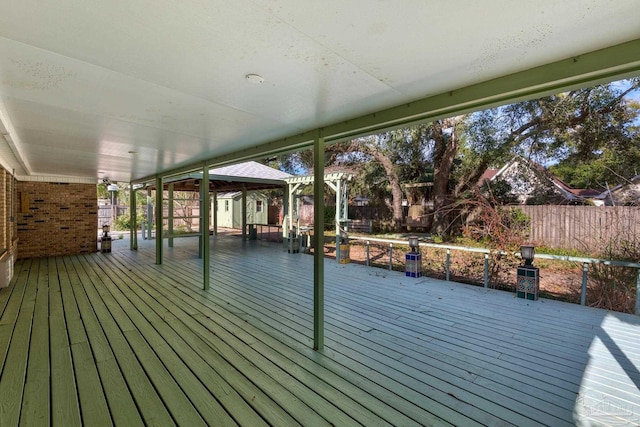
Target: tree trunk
{"points": [[447, 146], [396, 189]]}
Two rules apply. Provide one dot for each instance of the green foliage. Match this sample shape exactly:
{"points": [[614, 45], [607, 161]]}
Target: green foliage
{"points": [[123, 222], [329, 217], [499, 192]]}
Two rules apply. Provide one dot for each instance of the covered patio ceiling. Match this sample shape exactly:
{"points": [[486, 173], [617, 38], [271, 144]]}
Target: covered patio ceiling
{"points": [[126, 90]]}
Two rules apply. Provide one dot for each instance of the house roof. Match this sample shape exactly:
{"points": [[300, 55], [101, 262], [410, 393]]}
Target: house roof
{"points": [[569, 192], [96, 89], [250, 175], [487, 175]]}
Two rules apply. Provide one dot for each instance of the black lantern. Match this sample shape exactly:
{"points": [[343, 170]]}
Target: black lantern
{"points": [[528, 276], [105, 230], [527, 252]]}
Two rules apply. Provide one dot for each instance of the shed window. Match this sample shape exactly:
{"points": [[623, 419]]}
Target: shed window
{"points": [[258, 205], [226, 206]]}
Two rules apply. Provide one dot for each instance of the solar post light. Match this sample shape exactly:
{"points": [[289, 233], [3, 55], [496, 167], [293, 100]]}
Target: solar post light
{"points": [[105, 240], [528, 276], [413, 259]]}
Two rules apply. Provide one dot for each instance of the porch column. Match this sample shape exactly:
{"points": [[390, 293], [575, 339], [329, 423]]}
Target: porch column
{"points": [[285, 215], [204, 225], [244, 212], [338, 199], [149, 213], [133, 226], [318, 242], [159, 214], [170, 219], [214, 209]]}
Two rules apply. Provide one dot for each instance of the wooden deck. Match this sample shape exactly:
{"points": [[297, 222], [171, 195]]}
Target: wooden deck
{"points": [[114, 339]]}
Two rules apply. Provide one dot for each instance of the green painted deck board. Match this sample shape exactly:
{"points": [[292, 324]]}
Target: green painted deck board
{"points": [[134, 343], [65, 409], [36, 399], [152, 409], [14, 370]]}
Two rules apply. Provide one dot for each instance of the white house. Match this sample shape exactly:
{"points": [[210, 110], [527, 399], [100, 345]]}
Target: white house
{"points": [[527, 179]]}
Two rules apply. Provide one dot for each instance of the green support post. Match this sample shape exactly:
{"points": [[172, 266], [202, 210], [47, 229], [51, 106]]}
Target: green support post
{"points": [[205, 212], [159, 193], [149, 214], [214, 209], [318, 238], [133, 229], [170, 219], [244, 212], [337, 219]]}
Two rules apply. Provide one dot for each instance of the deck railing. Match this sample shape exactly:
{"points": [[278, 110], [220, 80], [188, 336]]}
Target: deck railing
{"points": [[585, 261]]}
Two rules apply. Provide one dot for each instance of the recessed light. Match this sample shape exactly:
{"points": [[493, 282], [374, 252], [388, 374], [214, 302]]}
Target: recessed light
{"points": [[254, 78], [132, 152]]}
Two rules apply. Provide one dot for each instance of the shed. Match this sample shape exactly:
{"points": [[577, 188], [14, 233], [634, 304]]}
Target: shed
{"points": [[229, 208]]}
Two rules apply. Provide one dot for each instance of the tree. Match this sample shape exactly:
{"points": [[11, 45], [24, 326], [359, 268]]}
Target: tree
{"points": [[594, 126], [387, 161]]}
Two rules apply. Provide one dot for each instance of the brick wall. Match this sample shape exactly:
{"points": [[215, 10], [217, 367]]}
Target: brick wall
{"points": [[56, 219]]}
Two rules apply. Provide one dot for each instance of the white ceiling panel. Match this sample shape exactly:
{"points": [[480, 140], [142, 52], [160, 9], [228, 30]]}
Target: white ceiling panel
{"points": [[83, 83]]}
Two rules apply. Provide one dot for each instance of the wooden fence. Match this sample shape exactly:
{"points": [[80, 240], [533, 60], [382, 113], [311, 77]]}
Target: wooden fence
{"points": [[583, 227]]}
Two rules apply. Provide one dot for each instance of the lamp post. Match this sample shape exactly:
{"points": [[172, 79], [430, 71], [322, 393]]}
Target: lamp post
{"points": [[413, 259], [528, 276], [105, 240]]}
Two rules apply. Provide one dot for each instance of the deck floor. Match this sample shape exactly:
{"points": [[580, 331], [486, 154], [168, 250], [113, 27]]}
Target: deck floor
{"points": [[113, 339]]}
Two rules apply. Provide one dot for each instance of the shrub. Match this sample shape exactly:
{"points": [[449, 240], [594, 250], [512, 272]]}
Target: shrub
{"points": [[612, 287], [123, 222]]}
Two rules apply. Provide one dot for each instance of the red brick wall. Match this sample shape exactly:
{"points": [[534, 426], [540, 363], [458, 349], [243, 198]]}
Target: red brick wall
{"points": [[56, 219]]}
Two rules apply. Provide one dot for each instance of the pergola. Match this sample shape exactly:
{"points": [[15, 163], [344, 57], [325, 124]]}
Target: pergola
{"points": [[337, 181]]}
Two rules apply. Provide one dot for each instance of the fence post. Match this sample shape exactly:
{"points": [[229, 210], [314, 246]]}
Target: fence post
{"points": [[583, 292], [367, 247], [390, 256], [448, 263], [486, 270], [637, 311]]}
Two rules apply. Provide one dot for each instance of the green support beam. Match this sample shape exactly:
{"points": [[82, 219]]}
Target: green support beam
{"points": [[159, 215], [318, 242], [244, 212], [133, 229], [215, 208], [204, 226], [170, 218]]}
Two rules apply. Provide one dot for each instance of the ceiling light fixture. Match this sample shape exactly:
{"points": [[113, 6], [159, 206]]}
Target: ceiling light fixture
{"points": [[254, 78]]}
